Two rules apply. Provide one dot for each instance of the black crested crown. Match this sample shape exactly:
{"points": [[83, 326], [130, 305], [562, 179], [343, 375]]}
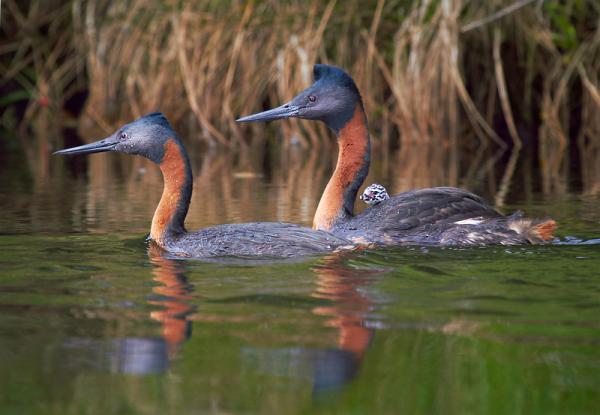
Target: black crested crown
{"points": [[157, 118], [333, 74]]}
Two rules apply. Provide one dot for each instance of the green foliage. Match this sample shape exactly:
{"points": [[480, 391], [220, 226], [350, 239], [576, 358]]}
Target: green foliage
{"points": [[13, 97], [563, 18]]}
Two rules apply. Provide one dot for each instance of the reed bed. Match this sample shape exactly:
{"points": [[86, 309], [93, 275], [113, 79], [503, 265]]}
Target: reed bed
{"points": [[449, 75]]}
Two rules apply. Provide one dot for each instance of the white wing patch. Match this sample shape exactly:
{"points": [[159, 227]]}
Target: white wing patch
{"points": [[472, 221]]}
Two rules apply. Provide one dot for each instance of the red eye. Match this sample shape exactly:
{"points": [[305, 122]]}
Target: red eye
{"points": [[312, 98]]}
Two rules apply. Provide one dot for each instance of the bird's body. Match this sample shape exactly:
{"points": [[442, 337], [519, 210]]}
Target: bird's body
{"points": [[435, 216], [264, 239], [152, 137], [440, 216]]}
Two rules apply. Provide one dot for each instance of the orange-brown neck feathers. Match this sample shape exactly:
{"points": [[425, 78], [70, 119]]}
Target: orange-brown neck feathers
{"points": [[352, 167], [172, 208]]}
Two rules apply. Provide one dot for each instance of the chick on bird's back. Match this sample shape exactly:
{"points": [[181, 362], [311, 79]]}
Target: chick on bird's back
{"points": [[439, 216]]}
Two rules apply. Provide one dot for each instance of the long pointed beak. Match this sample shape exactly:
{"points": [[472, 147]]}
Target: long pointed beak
{"points": [[285, 111], [107, 144]]}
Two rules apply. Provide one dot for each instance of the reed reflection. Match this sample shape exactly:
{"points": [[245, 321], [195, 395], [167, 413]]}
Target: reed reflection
{"points": [[266, 183]]}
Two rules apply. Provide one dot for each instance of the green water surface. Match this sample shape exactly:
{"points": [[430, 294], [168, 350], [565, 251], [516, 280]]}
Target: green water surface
{"points": [[94, 320]]}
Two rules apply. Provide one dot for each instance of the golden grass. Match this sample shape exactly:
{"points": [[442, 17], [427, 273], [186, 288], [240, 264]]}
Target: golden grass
{"points": [[452, 74]]}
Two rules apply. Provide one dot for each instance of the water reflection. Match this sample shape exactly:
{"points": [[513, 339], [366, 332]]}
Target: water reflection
{"points": [[173, 296], [342, 301], [82, 311], [328, 369], [331, 335], [130, 355], [343, 287], [145, 355], [261, 182]]}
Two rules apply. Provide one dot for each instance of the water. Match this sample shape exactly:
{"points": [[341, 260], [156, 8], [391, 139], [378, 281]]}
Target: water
{"points": [[94, 320]]}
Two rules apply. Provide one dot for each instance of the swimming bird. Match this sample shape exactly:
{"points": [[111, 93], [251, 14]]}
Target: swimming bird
{"points": [[439, 216], [152, 137], [374, 194]]}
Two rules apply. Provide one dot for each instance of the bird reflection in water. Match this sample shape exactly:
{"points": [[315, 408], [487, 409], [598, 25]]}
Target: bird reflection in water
{"points": [[339, 290], [337, 284], [329, 369], [173, 296], [145, 355], [341, 285]]}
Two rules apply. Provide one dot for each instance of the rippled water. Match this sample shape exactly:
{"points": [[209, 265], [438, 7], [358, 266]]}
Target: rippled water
{"points": [[94, 320]]}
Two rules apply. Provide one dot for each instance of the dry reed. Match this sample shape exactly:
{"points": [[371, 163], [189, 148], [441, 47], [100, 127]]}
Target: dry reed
{"points": [[423, 67]]}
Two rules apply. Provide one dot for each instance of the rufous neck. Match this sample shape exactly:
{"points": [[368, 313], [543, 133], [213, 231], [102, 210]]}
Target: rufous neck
{"points": [[169, 217], [337, 202]]}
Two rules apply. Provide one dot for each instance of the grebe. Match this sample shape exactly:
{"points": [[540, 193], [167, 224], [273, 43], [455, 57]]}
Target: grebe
{"points": [[440, 215], [374, 194], [151, 136]]}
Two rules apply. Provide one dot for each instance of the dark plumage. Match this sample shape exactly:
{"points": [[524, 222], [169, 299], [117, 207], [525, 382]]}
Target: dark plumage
{"points": [[441, 216], [151, 136], [265, 239]]}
